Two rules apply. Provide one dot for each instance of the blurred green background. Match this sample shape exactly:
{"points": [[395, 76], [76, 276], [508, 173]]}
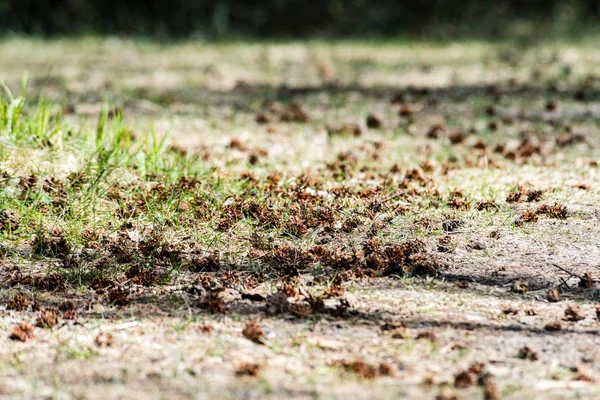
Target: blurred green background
{"points": [[297, 18]]}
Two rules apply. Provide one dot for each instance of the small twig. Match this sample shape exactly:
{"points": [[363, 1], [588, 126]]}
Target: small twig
{"points": [[121, 284], [392, 197], [126, 325], [567, 271], [566, 285]]}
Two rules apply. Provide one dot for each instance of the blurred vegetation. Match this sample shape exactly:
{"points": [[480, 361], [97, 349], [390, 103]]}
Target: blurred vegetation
{"points": [[284, 18]]}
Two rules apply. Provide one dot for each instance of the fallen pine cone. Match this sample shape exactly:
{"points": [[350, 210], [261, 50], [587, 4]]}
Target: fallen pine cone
{"points": [[253, 331], [574, 313], [22, 332]]}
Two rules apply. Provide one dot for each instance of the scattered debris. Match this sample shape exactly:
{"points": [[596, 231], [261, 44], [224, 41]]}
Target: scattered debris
{"points": [[213, 302], [374, 121], [277, 303], [17, 303], [246, 368], [525, 353], [525, 217], [532, 311], [22, 332], [428, 335], [9, 220], [47, 319], [457, 137], [451, 225], [491, 391], [510, 310], [553, 326], [586, 281], [323, 212], [206, 329], [553, 295], [475, 374], [254, 332], [520, 287], [364, 370], [104, 339], [295, 112], [584, 375], [574, 313], [488, 205], [119, 297], [446, 394], [555, 211], [464, 379], [523, 195], [68, 310]]}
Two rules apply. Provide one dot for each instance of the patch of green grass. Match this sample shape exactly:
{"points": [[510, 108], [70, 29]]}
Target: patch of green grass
{"points": [[78, 352]]}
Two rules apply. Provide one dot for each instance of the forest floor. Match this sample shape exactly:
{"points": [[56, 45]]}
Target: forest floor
{"points": [[299, 220]]}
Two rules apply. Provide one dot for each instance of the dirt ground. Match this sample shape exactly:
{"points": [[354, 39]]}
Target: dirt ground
{"points": [[510, 310]]}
